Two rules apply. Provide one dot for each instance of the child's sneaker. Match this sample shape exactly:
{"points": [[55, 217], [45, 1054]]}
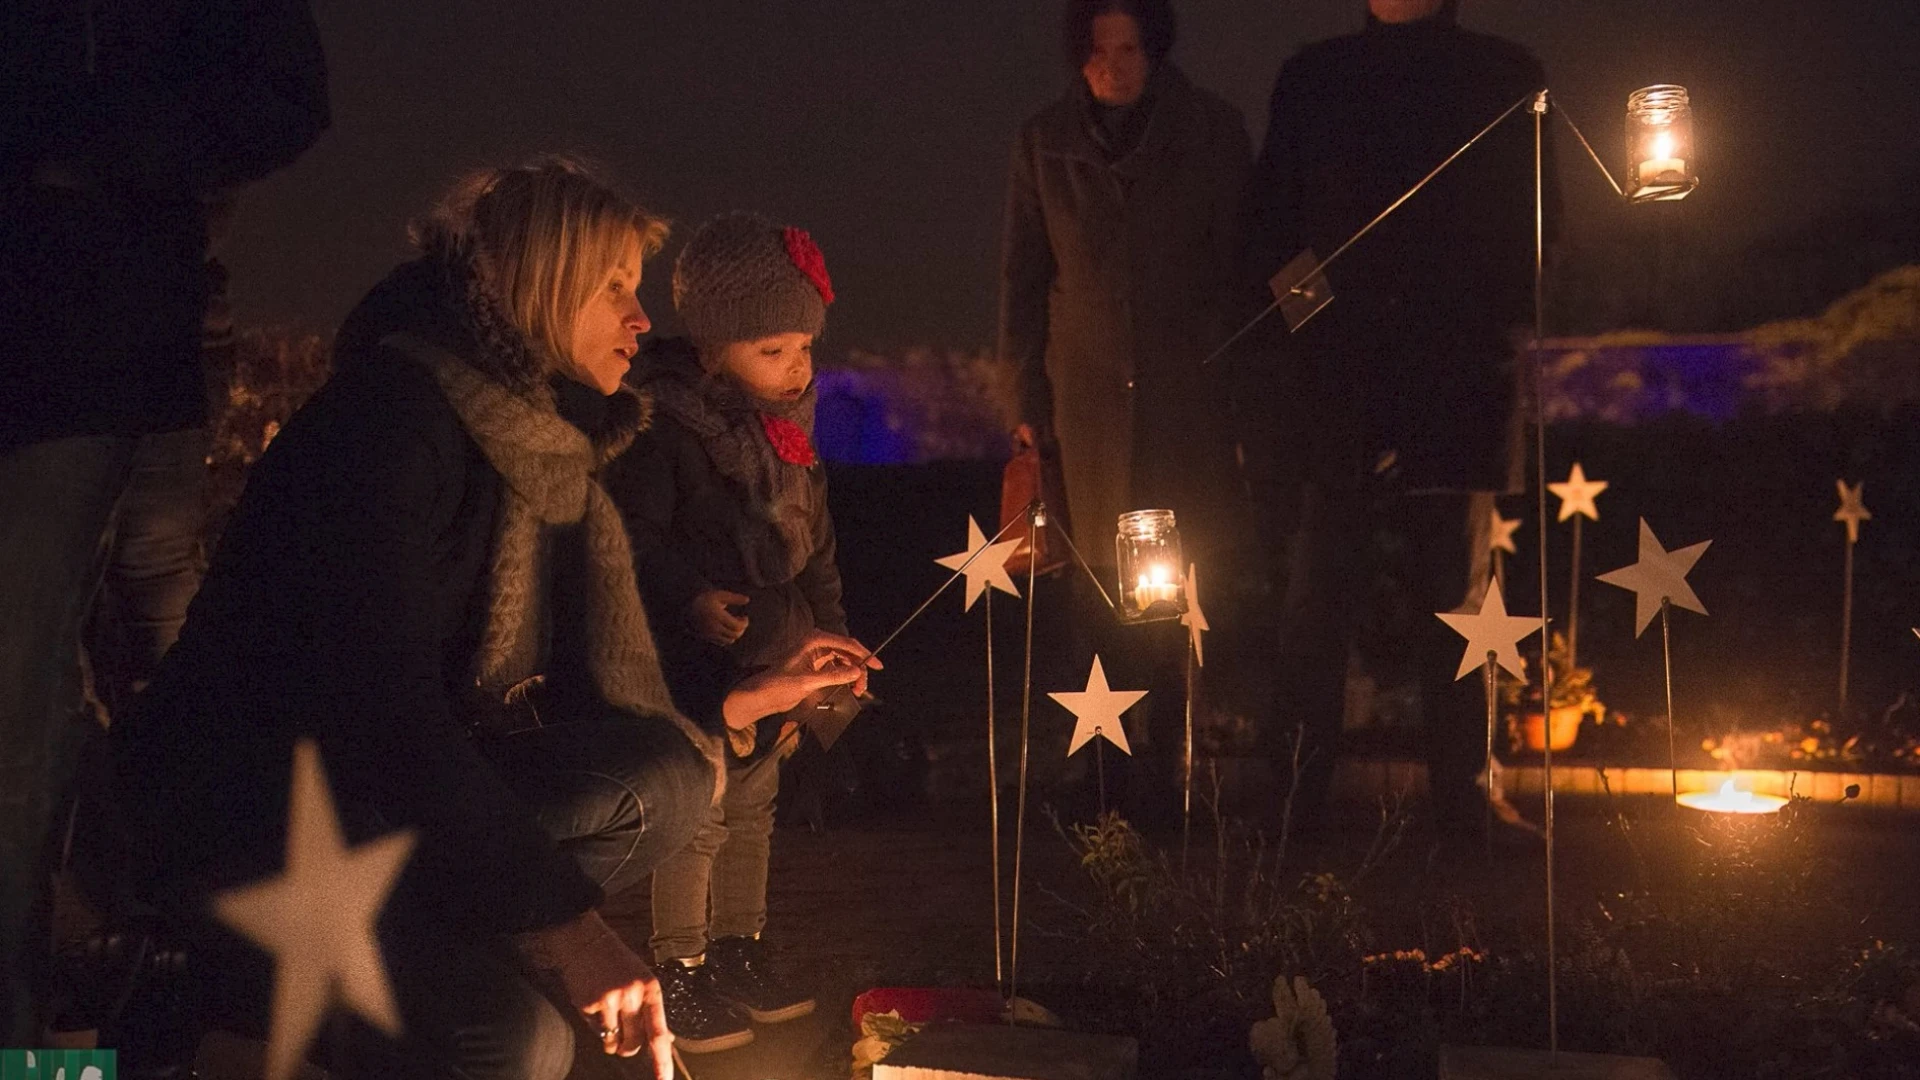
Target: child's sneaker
{"points": [[743, 975], [702, 1021]]}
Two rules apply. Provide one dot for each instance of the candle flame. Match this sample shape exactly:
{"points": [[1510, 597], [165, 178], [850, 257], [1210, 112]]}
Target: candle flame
{"points": [[1731, 800], [1663, 145]]}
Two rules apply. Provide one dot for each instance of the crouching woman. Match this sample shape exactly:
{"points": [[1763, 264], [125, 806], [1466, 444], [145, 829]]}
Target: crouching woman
{"points": [[425, 578]]}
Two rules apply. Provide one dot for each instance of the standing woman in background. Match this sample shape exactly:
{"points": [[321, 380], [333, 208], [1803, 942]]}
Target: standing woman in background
{"points": [[1117, 277]]}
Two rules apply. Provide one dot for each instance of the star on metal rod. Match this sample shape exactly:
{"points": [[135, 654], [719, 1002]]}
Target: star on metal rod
{"points": [[1852, 510], [1195, 620], [1097, 710], [1491, 631], [317, 919], [989, 569], [1577, 494], [1502, 537], [1659, 575]]}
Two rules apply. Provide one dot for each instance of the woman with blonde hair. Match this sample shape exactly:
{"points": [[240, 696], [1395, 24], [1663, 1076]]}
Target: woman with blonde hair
{"points": [[425, 578]]}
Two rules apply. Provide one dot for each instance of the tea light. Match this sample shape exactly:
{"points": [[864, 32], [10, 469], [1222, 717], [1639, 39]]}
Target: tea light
{"points": [[1157, 586], [1731, 800]]}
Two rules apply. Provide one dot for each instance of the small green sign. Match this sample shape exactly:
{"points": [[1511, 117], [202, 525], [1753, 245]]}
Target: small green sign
{"points": [[59, 1065]]}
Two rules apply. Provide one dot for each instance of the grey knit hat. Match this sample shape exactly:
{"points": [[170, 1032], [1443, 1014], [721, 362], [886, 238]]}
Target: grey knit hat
{"points": [[742, 277]]}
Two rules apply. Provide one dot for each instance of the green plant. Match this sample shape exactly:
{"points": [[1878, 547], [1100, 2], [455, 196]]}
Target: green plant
{"points": [[1572, 686]]}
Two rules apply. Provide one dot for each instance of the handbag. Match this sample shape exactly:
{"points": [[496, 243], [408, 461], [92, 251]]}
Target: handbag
{"points": [[1029, 475]]}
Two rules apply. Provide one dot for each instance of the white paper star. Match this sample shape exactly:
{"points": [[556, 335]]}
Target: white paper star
{"points": [[1577, 493], [1503, 530], [1852, 510], [1491, 631], [990, 569], [1097, 710], [317, 919], [1659, 575], [1195, 620]]}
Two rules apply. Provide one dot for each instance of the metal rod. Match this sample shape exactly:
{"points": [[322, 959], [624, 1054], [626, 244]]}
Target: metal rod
{"points": [[1604, 171], [1540, 475], [1846, 628], [1490, 672], [1081, 559], [956, 576], [1573, 604], [1246, 329], [1100, 769], [1186, 768], [1035, 510], [993, 792], [1378, 218], [1666, 655], [827, 702]]}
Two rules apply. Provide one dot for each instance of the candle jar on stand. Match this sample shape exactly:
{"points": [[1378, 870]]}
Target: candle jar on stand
{"points": [[1660, 151], [1153, 584]]}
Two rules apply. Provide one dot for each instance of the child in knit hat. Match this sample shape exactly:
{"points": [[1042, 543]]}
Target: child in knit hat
{"points": [[726, 505]]}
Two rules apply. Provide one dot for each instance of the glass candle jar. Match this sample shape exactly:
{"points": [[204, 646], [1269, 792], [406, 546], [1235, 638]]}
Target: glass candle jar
{"points": [[1153, 580], [1660, 153]]}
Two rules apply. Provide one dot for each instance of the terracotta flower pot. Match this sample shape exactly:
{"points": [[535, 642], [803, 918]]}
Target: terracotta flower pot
{"points": [[1566, 728]]}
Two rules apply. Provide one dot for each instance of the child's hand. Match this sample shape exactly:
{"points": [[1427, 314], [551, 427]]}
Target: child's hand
{"points": [[712, 617]]}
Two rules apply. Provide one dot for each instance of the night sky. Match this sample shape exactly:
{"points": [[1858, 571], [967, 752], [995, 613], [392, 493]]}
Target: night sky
{"points": [[884, 125]]}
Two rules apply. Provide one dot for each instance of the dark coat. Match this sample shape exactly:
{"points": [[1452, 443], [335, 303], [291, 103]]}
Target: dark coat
{"points": [[682, 516], [1414, 354], [146, 109], [1116, 280], [344, 603]]}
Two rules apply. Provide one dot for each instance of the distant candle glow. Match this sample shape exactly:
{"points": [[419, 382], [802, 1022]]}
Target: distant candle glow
{"points": [[1731, 800]]}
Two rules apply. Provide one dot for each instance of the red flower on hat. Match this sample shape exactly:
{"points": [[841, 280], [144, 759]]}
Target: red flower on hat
{"points": [[789, 439], [806, 257]]}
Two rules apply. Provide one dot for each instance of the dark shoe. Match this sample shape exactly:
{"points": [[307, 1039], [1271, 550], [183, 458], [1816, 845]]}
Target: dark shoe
{"points": [[701, 1020], [743, 975]]}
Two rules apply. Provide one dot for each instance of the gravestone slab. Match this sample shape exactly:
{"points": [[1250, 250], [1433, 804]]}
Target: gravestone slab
{"points": [[979, 1052], [1505, 1063]]}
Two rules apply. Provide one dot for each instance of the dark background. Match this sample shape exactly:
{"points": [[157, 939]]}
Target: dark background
{"points": [[883, 126]]}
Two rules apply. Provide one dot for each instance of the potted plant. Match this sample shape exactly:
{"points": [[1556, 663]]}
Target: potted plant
{"points": [[1574, 700]]}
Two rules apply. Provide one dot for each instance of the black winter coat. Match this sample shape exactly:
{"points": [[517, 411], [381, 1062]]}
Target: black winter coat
{"points": [[118, 120], [344, 603], [682, 516], [1414, 355]]}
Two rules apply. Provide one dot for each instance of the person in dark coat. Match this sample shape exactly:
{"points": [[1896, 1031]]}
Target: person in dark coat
{"points": [[1118, 275], [425, 577], [726, 501], [1394, 409], [120, 121]]}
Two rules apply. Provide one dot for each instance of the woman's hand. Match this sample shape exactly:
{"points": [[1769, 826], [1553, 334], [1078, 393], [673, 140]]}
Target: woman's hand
{"points": [[605, 980], [712, 617], [820, 662]]}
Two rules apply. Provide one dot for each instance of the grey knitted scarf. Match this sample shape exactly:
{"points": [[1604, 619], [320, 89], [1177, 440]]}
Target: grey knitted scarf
{"points": [[548, 467], [780, 495]]}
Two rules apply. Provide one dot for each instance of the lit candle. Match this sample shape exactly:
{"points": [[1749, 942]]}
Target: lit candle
{"points": [[1732, 800], [1661, 161], [1156, 586]]}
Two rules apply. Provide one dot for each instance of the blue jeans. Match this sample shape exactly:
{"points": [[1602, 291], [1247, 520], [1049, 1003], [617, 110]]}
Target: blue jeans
{"points": [[617, 794], [72, 512], [620, 796]]}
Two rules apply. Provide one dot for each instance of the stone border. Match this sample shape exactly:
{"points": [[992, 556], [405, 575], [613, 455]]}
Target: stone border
{"points": [[1880, 791]]}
